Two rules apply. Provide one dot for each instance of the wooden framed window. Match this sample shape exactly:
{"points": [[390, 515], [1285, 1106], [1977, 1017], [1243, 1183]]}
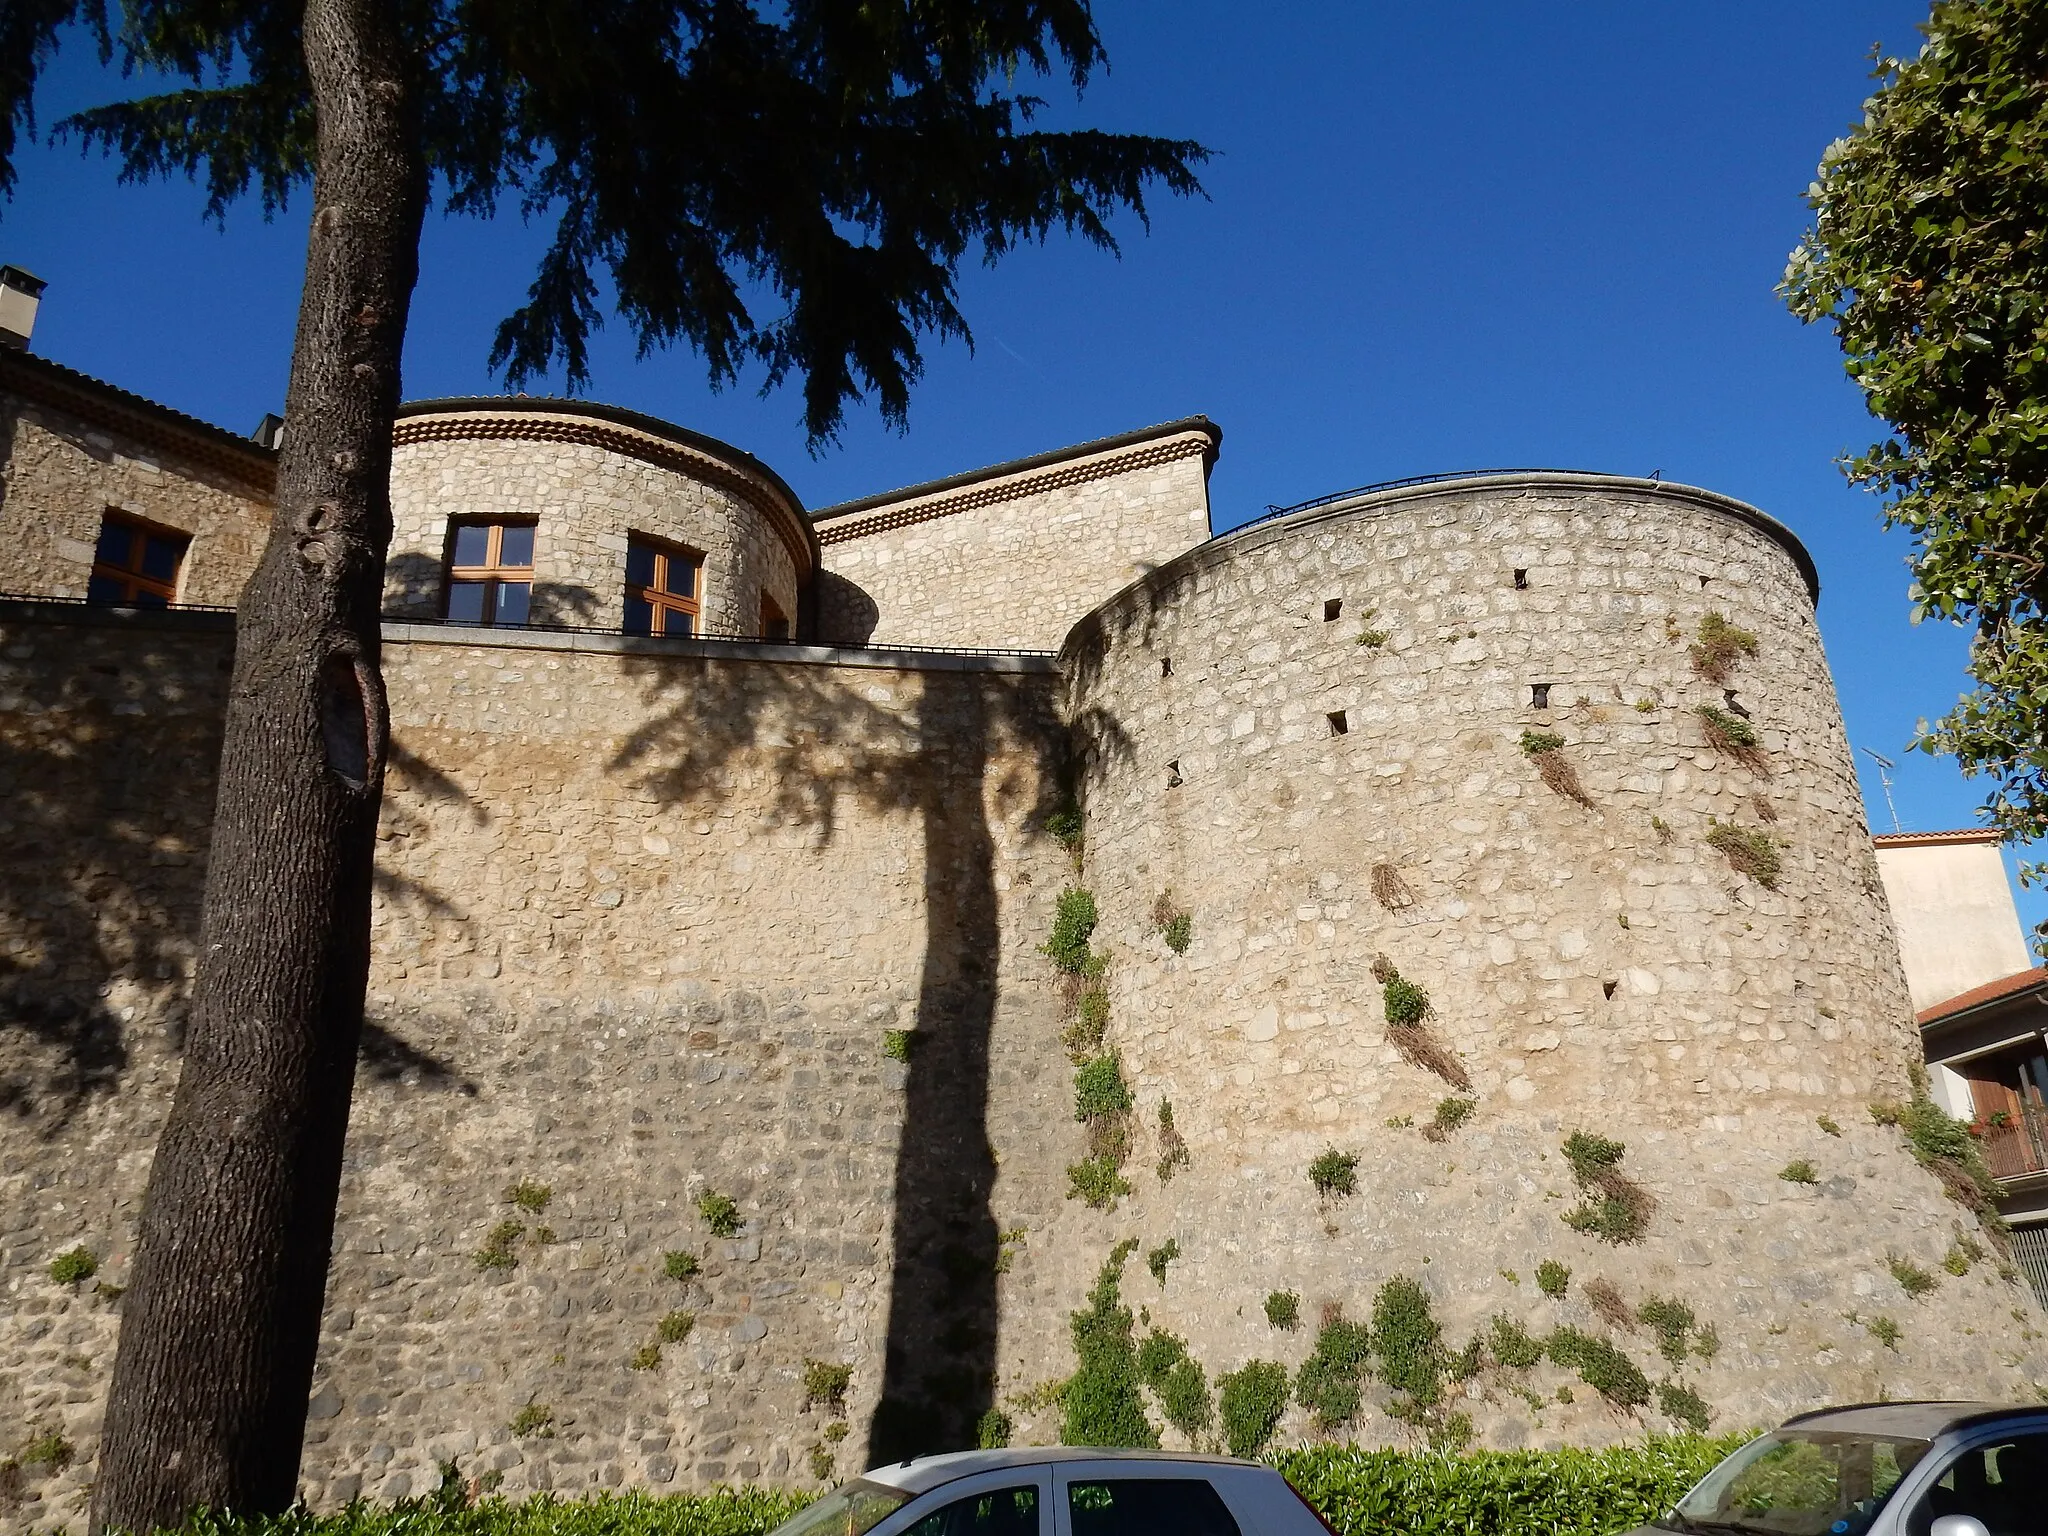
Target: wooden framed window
{"points": [[663, 588], [774, 622], [490, 572], [136, 564]]}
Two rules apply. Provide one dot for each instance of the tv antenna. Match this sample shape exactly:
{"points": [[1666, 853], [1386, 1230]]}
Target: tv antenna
{"points": [[1884, 776]]}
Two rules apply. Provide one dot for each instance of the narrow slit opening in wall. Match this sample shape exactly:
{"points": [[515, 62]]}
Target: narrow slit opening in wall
{"points": [[1333, 609], [1607, 989], [1703, 583], [1166, 666], [1521, 581], [1338, 724], [1734, 704], [1539, 695], [1173, 774]]}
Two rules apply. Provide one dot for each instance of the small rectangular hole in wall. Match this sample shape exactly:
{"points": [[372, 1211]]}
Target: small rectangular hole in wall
{"points": [[1173, 774], [1607, 989], [1539, 695], [1333, 609], [1734, 704], [1521, 581], [1338, 724], [1166, 666]]}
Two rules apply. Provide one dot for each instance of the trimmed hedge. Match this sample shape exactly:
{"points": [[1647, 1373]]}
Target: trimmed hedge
{"points": [[1360, 1492], [1500, 1493]]}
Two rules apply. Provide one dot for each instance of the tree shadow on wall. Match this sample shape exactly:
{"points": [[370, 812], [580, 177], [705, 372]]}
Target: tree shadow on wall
{"points": [[818, 741]]}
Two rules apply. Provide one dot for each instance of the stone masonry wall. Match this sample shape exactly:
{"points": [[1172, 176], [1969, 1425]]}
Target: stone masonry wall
{"points": [[1309, 734], [1015, 560], [59, 476], [587, 499], [645, 917]]}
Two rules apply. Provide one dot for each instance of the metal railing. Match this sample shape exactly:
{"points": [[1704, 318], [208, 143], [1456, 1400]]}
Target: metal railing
{"points": [[484, 631], [1402, 484], [2018, 1148]]}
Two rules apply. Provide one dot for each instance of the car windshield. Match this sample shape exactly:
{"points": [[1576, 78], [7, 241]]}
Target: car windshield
{"points": [[852, 1510], [1799, 1482]]}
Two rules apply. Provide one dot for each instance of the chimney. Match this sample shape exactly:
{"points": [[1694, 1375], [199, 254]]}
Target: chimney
{"points": [[269, 431], [20, 295]]}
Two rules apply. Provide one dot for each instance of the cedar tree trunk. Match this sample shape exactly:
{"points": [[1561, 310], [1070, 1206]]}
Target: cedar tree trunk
{"points": [[220, 1326]]}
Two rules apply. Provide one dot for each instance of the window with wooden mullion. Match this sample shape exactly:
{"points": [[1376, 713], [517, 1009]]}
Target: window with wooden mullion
{"points": [[662, 596], [136, 564], [490, 573]]}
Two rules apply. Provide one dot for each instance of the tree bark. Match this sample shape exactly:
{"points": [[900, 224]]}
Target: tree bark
{"points": [[221, 1323]]}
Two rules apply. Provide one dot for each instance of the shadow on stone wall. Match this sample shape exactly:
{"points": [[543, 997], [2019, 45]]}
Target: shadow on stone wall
{"points": [[821, 741], [844, 613]]}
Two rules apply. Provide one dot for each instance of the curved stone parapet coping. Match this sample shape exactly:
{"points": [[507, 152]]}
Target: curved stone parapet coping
{"points": [[1251, 536], [633, 433]]}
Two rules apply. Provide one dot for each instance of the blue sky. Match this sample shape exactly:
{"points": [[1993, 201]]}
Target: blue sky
{"points": [[1437, 237]]}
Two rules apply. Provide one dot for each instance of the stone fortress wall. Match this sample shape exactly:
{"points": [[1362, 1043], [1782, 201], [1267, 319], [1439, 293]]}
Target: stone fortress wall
{"points": [[589, 476], [1307, 735], [69, 454], [651, 911], [1013, 555]]}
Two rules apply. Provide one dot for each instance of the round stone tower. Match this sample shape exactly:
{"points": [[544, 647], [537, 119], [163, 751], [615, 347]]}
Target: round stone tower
{"points": [[1560, 753], [599, 488]]}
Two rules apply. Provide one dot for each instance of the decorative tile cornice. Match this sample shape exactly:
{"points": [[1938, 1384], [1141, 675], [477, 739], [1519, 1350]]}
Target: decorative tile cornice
{"points": [[965, 499]]}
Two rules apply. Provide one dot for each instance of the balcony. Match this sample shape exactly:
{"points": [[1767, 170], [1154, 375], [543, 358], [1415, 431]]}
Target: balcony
{"points": [[2015, 1142]]}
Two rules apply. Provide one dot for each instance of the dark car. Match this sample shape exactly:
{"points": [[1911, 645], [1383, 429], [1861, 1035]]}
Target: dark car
{"points": [[1880, 1469]]}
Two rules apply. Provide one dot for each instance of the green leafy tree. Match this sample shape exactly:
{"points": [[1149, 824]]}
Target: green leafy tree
{"points": [[1929, 254], [787, 185]]}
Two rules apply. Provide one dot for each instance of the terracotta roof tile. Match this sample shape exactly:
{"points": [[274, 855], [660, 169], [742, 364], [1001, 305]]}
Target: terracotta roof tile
{"points": [[1990, 992]]}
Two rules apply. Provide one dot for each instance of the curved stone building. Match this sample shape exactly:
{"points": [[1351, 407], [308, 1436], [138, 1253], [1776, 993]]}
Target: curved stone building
{"points": [[711, 867]]}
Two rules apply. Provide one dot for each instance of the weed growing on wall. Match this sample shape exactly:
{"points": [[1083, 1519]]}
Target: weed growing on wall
{"points": [[1885, 1331], [646, 1357], [496, 1252], [1672, 1321], [1089, 999], [1066, 827], [1102, 1102], [1512, 1345], [51, 1450], [1546, 750], [1552, 1278], [1156, 1259], [534, 1421], [1390, 890], [1250, 1402], [1100, 1091], [1408, 1013], [721, 1213], [1601, 1366], [1615, 1209], [896, 1044], [1685, 1406], [1409, 1342], [1944, 1146], [675, 1327], [1173, 1148], [74, 1265], [1175, 923], [1719, 647], [1749, 851], [1334, 1173], [530, 1196], [1913, 1280], [992, 1432], [1735, 736], [1101, 1399], [823, 1463], [1450, 1114], [678, 1265], [1604, 1297], [825, 1384], [1283, 1310], [1095, 1181], [1826, 1123], [1962, 1253], [1799, 1171], [1178, 1381], [1073, 924], [1330, 1381]]}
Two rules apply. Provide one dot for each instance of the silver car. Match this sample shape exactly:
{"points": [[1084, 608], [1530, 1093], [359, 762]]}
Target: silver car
{"points": [[1880, 1469], [1067, 1491]]}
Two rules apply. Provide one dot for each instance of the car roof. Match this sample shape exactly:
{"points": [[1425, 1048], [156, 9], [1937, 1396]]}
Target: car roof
{"points": [[1911, 1421], [922, 1473]]}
